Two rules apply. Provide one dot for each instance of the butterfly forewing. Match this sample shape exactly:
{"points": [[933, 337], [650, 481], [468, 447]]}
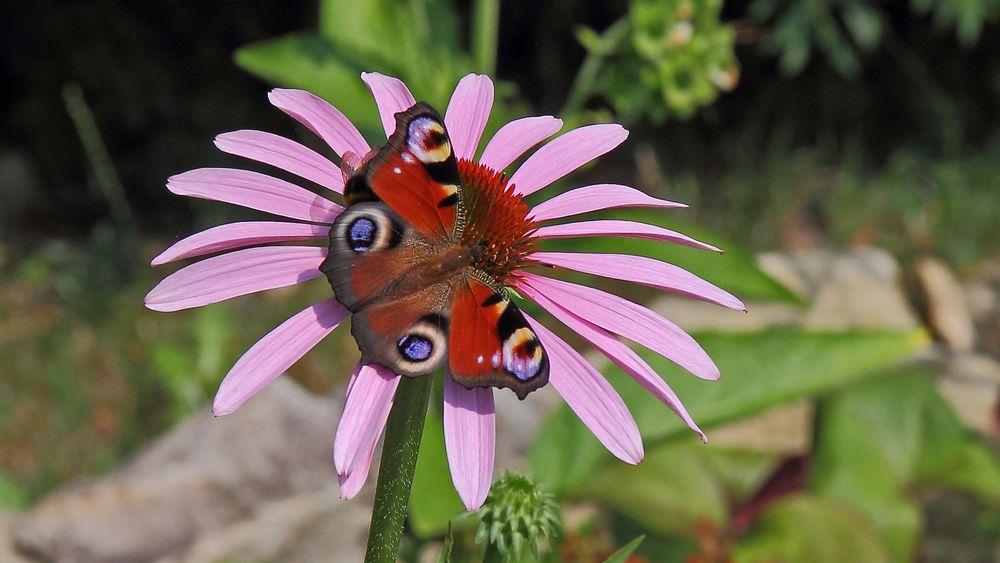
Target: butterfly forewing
{"points": [[416, 174]]}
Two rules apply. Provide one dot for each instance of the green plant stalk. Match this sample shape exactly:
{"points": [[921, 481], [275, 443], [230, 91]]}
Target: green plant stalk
{"points": [[586, 77], [485, 27], [395, 475], [97, 153]]}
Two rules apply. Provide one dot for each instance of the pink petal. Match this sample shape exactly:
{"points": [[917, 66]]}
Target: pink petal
{"points": [[616, 228], [565, 154], [591, 397], [391, 97], [237, 273], [470, 439], [256, 191], [624, 357], [467, 113], [621, 316], [351, 482], [321, 118], [516, 137], [239, 235], [596, 198], [365, 414], [640, 269], [283, 153], [276, 352]]}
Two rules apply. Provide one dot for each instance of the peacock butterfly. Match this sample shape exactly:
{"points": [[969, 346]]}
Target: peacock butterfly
{"points": [[419, 260]]}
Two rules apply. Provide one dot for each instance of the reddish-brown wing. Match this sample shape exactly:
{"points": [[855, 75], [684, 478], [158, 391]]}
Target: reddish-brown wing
{"points": [[415, 174], [408, 335], [490, 344]]}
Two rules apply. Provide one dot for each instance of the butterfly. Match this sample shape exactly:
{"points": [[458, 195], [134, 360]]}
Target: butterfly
{"points": [[406, 259]]}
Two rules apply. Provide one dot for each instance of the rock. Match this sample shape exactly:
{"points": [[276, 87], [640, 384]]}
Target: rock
{"points": [[947, 312], [974, 367], [8, 550], [315, 526], [203, 476], [856, 290], [975, 402], [980, 300], [786, 430], [694, 316], [859, 290], [518, 421], [794, 270]]}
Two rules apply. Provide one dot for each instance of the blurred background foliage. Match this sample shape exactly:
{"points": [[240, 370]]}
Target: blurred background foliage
{"points": [[784, 123]]}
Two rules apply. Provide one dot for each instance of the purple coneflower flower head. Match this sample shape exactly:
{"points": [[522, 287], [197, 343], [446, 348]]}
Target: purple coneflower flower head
{"points": [[247, 260]]}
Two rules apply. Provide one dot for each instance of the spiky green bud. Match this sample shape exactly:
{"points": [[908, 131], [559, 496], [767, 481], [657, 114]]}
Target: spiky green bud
{"points": [[517, 514]]}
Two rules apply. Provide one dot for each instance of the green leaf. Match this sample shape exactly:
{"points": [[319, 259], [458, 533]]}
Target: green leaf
{"points": [[365, 24], [666, 493], [864, 24], [680, 484], [449, 543], [872, 448], [424, 51], [973, 469], [736, 271], [868, 444], [805, 528], [433, 500], [310, 62], [622, 554], [759, 370], [952, 455]]}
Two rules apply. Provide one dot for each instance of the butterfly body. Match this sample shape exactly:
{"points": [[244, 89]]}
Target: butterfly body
{"points": [[423, 281]]}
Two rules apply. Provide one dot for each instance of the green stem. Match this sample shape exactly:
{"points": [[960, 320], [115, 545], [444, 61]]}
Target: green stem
{"points": [[395, 474], [97, 153], [486, 23], [586, 77]]}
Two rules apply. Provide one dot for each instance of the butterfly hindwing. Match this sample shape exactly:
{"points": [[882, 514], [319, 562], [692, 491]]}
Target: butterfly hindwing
{"points": [[367, 252], [490, 343], [397, 284], [416, 175], [407, 335]]}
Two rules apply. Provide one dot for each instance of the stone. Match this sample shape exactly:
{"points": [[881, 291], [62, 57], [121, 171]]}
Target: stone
{"points": [[974, 367], [9, 552], [518, 421], [975, 402], [811, 266], [202, 477], [947, 312], [981, 301], [694, 316], [784, 430], [860, 290], [309, 527], [787, 271]]}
